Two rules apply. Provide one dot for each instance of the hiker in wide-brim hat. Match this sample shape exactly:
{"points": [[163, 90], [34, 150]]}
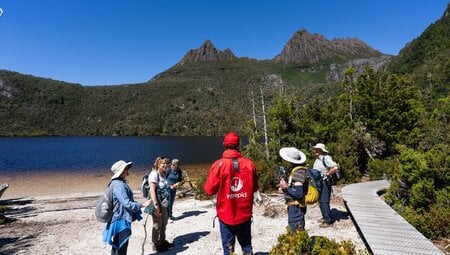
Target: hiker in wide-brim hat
{"points": [[126, 210], [295, 187], [325, 164]]}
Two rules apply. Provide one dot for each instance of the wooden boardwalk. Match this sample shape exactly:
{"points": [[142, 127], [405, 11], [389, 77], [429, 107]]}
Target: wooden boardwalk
{"points": [[383, 229]]}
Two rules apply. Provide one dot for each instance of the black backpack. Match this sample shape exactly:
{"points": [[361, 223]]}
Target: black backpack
{"points": [[144, 185], [334, 178]]}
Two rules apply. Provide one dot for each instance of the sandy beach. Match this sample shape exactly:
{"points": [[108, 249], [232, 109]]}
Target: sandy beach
{"points": [[54, 214]]}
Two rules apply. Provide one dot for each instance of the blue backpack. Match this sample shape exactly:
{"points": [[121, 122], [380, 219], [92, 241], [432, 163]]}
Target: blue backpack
{"points": [[315, 178]]}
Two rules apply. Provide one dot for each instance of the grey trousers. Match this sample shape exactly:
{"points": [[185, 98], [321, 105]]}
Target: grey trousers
{"points": [[159, 226]]}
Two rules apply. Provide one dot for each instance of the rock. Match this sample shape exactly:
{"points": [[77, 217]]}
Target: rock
{"points": [[3, 187]]}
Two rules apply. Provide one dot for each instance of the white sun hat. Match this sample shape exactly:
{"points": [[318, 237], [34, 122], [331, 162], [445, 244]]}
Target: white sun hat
{"points": [[292, 155], [320, 146], [118, 168]]}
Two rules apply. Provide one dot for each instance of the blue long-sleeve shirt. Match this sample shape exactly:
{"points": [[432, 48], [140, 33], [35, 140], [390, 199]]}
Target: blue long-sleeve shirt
{"points": [[295, 192], [124, 209], [124, 205]]}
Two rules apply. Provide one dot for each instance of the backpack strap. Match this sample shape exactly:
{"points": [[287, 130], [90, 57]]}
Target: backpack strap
{"points": [[235, 164], [323, 162], [111, 186], [291, 175], [301, 201]]}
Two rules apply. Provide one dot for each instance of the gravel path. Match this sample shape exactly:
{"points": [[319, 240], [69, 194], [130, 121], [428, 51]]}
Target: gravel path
{"points": [[66, 225]]}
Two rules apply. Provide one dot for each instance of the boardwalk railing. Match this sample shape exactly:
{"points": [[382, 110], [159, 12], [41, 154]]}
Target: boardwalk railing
{"points": [[383, 229]]}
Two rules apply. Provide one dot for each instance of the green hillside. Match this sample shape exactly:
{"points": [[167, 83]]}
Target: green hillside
{"points": [[192, 99], [426, 59]]}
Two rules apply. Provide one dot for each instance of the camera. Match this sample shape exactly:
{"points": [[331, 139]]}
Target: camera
{"points": [[283, 173]]}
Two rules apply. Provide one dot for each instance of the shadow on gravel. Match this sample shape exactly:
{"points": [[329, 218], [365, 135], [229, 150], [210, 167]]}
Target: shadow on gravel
{"points": [[14, 243], [339, 215], [18, 208], [181, 243], [15, 238], [189, 214]]}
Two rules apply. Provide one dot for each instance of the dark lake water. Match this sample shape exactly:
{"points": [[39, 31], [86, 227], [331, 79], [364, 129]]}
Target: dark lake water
{"points": [[87, 153]]}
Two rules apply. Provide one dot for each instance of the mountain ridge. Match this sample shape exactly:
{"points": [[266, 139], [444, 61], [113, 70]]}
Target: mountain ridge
{"points": [[208, 92], [304, 47]]}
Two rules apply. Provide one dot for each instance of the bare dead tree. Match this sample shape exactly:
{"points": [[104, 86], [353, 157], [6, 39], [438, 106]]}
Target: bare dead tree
{"points": [[349, 85], [372, 146], [254, 110], [266, 139]]}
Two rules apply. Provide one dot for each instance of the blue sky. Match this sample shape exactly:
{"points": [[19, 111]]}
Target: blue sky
{"points": [[99, 42]]}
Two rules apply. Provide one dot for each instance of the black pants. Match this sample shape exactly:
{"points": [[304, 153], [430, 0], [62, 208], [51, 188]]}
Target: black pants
{"points": [[118, 239]]}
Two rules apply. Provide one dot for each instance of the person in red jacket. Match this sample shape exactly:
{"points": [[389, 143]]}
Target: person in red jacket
{"points": [[233, 178]]}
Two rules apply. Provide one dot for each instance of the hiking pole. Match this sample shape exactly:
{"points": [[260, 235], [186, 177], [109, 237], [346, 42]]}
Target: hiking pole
{"points": [[145, 234]]}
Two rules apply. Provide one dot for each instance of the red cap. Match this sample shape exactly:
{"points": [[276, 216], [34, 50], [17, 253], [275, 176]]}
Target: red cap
{"points": [[231, 139]]}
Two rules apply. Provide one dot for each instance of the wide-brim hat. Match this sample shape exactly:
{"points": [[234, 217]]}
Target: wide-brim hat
{"points": [[320, 146], [118, 168], [292, 155]]}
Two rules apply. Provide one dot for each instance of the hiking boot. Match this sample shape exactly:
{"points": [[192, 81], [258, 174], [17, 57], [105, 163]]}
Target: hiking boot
{"points": [[320, 220], [325, 225], [167, 244], [160, 248]]}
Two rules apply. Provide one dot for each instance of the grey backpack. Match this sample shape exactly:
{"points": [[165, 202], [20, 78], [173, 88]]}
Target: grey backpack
{"points": [[104, 208]]}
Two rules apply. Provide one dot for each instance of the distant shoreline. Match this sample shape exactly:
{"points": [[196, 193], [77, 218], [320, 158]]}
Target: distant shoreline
{"points": [[62, 183]]}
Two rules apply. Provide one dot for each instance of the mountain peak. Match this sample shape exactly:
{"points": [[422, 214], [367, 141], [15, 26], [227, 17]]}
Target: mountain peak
{"points": [[305, 47], [206, 53]]}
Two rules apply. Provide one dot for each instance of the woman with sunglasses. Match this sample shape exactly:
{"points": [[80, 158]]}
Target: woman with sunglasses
{"points": [[159, 193]]}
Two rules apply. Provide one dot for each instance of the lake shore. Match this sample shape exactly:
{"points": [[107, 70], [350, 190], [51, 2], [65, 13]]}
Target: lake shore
{"points": [[76, 183], [54, 214]]}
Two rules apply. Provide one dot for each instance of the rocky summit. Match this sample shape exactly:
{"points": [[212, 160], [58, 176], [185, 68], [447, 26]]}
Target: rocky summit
{"points": [[305, 47], [206, 53]]}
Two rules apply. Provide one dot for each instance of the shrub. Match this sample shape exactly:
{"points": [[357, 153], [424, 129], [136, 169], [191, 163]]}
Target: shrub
{"points": [[200, 192], [301, 243], [267, 175], [434, 224], [377, 168], [422, 194]]}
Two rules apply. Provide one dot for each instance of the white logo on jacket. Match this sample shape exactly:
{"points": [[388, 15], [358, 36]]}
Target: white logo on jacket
{"points": [[236, 184]]}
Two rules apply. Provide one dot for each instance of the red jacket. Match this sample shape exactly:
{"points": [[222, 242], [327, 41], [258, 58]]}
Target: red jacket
{"points": [[234, 189]]}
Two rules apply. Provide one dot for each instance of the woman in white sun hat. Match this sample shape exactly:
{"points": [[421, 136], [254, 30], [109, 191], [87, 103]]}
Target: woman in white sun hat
{"points": [[295, 187], [325, 164], [126, 210]]}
